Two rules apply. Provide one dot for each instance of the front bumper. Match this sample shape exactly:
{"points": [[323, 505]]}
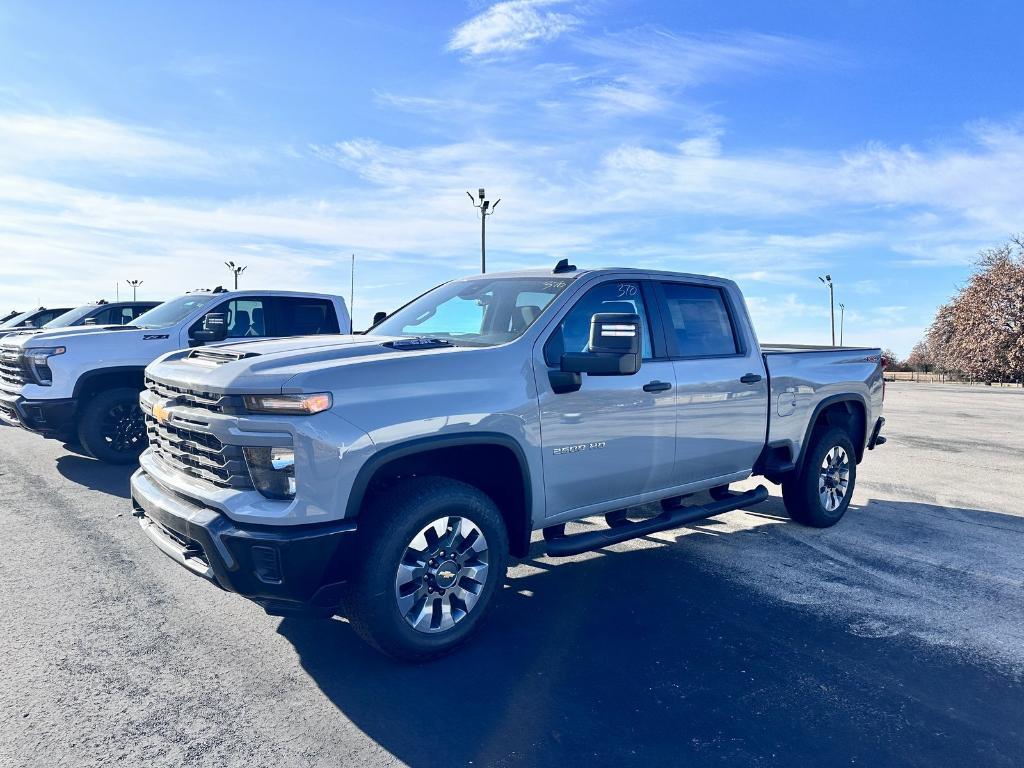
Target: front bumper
{"points": [[285, 569], [53, 418]]}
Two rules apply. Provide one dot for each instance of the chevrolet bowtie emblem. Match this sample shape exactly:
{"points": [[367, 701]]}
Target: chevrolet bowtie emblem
{"points": [[446, 575], [160, 413]]}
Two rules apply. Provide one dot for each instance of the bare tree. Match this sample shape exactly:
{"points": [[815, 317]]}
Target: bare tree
{"points": [[980, 332]]}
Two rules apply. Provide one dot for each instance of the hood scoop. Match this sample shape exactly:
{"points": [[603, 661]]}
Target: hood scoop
{"points": [[417, 342], [210, 356]]}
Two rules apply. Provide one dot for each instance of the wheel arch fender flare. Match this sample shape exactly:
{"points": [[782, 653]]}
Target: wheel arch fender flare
{"points": [[821, 407], [520, 526], [119, 376]]}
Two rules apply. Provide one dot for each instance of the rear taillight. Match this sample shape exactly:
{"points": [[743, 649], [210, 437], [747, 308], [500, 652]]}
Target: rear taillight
{"points": [[885, 363]]}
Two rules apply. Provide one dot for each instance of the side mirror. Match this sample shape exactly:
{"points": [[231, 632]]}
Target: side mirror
{"points": [[90, 321], [379, 317], [614, 348], [215, 328]]}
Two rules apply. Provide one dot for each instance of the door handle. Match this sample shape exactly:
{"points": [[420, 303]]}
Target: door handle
{"points": [[750, 378], [657, 386]]}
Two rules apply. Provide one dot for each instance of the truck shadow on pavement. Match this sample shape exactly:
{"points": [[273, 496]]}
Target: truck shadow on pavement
{"points": [[95, 475], [651, 657]]}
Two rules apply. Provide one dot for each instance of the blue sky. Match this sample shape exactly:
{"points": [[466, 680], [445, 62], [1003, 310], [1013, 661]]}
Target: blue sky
{"points": [[768, 142]]}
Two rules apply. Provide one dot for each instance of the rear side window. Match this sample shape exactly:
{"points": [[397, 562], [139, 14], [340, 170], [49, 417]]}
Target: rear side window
{"points": [[299, 316], [573, 333], [699, 317]]}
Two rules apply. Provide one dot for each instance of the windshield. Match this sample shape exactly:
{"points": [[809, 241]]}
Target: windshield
{"points": [[172, 312], [479, 312], [70, 318], [17, 320]]}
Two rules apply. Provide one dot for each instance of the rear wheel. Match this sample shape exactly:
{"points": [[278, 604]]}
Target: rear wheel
{"points": [[433, 553], [820, 493], [111, 426]]}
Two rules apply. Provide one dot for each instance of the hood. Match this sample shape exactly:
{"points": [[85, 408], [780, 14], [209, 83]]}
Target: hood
{"points": [[50, 336], [265, 367]]}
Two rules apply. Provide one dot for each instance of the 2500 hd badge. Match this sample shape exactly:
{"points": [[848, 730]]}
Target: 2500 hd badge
{"points": [[579, 448]]}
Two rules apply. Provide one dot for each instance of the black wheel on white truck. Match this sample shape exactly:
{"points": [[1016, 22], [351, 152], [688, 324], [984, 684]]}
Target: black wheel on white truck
{"points": [[435, 551], [111, 426], [820, 492]]}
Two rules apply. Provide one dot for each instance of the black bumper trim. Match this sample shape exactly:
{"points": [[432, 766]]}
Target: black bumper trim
{"points": [[286, 569], [48, 417]]}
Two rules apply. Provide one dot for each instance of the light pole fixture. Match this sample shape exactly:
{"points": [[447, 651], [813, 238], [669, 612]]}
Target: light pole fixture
{"points": [[842, 321], [236, 270], [135, 286], [486, 209], [827, 280]]}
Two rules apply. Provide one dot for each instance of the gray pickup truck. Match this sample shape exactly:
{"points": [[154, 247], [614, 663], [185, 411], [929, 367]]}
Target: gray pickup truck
{"points": [[389, 476]]}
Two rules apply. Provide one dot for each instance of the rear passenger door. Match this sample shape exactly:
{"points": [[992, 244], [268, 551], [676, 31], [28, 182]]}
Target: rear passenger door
{"points": [[721, 389]]}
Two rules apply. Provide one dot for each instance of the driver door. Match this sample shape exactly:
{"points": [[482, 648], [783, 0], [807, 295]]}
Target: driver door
{"points": [[614, 437]]}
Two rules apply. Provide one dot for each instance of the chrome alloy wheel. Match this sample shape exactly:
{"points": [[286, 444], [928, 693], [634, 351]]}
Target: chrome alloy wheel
{"points": [[834, 478], [442, 574]]}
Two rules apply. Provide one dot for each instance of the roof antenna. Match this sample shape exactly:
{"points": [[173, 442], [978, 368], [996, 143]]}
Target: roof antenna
{"points": [[564, 266]]}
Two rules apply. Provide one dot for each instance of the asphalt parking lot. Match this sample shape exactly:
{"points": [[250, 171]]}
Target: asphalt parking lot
{"points": [[895, 638]]}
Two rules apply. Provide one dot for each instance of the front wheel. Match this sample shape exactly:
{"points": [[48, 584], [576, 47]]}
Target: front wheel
{"points": [[111, 426], [820, 493], [433, 552]]}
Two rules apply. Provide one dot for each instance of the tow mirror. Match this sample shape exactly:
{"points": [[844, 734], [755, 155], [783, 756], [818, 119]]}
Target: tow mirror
{"points": [[614, 348], [90, 321], [215, 328], [379, 317]]}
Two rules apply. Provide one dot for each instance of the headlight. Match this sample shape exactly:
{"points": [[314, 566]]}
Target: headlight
{"points": [[290, 404], [272, 471], [38, 360]]}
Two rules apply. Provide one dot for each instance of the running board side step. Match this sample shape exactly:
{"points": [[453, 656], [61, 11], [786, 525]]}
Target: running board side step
{"points": [[673, 517]]}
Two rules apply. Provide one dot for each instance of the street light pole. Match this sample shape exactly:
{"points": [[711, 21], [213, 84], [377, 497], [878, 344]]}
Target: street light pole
{"points": [[486, 209], [827, 280], [236, 270], [842, 321], [135, 285]]}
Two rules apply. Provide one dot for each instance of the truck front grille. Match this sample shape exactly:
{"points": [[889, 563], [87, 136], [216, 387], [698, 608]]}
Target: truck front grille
{"points": [[207, 401], [12, 369], [198, 454]]}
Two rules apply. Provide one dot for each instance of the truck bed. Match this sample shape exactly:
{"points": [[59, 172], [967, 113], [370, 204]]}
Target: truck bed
{"points": [[803, 377]]}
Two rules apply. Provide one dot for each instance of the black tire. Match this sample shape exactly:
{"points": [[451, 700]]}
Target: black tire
{"points": [[111, 427], [386, 530], [802, 493]]}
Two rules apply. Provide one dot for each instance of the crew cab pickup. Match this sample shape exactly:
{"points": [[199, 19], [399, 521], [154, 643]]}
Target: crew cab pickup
{"points": [[82, 383], [389, 476]]}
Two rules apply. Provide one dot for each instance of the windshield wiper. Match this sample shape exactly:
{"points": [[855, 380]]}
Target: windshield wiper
{"points": [[418, 342]]}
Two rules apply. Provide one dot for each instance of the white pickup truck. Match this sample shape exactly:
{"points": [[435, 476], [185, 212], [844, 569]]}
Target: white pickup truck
{"points": [[82, 383], [389, 476]]}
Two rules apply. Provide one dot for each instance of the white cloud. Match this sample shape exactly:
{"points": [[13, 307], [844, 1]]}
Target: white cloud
{"points": [[511, 26], [33, 141]]}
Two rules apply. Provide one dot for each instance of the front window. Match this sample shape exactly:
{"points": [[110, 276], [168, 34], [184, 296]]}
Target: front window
{"points": [[480, 312], [173, 312]]}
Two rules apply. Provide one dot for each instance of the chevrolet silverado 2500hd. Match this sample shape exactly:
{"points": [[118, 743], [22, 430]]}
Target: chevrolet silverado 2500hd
{"points": [[389, 476], [82, 383]]}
